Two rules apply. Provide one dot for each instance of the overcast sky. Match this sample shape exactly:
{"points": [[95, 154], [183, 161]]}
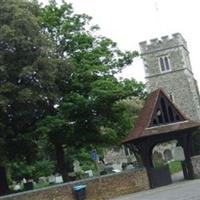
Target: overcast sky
{"points": [[129, 22]]}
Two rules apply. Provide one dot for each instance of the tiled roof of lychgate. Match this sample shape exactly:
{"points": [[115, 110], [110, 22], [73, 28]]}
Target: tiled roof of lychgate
{"points": [[143, 126]]}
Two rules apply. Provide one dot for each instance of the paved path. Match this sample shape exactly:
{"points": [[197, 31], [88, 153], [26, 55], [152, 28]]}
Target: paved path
{"points": [[186, 190]]}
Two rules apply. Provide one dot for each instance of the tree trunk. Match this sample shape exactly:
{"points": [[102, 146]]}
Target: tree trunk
{"points": [[4, 189], [62, 167]]}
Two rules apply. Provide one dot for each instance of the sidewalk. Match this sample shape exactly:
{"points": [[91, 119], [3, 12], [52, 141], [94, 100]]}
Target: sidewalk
{"points": [[184, 190]]}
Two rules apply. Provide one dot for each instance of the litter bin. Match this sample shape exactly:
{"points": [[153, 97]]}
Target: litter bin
{"points": [[80, 192]]}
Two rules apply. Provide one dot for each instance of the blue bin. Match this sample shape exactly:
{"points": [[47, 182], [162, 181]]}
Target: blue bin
{"points": [[80, 192]]}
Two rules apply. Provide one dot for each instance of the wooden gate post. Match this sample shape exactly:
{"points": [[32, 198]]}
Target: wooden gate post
{"points": [[186, 141], [3, 182]]}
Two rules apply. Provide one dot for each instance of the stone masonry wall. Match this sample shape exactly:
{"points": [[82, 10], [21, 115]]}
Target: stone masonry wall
{"points": [[173, 83], [97, 189], [179, 81], [196, 165], [152, 67]]}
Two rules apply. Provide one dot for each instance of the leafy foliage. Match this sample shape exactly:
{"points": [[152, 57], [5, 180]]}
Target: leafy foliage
{"points": [[59, 96], [90, 108], [20, 169]]}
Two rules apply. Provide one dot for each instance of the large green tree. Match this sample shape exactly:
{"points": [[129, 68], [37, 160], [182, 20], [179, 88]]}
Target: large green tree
{"points": [[74, 105], [30, 77], [90, 113]]}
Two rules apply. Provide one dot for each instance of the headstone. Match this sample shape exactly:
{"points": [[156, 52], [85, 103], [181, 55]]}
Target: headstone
{"points": [[52, 179], [42, 179], [89, 172], [131, 158], [168, 155], [58, 179], [17, 187], [71, 174], [24, 180], [117, 167], [77, 167], [179, 154], [129, 167], [115, 156]]}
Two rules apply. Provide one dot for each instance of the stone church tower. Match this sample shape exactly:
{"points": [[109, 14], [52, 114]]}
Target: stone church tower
{"points": [[167, 65]]}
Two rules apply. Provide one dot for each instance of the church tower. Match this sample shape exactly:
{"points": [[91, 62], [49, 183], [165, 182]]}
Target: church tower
{"points": [[167, 65]]}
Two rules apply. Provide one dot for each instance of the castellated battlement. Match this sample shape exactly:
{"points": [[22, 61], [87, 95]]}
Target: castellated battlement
{"points": [[164, 42]]}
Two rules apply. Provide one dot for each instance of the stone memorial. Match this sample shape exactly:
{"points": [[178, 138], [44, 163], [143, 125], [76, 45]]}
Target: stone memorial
{"points": [[179, 154]]}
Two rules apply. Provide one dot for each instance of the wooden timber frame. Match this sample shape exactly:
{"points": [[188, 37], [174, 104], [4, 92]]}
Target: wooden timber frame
{"points": [[161, 121]]}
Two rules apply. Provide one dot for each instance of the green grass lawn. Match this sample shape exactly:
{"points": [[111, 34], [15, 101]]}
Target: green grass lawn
{"points": [[175, 166], [41, 185]]}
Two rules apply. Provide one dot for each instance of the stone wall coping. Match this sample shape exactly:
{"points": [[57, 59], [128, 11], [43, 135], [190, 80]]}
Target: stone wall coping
{"points": [[196, 156], [72, 183]]}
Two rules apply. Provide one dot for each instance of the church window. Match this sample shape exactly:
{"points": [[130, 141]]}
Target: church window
{"points": [[164, 64], [167, 63]]}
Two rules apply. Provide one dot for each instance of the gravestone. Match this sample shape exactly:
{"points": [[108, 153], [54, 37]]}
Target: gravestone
{"points": [[77, 167], [52, 179], [89, 173], [58, 179], [168, 155], [16, 186], [179, 154]]}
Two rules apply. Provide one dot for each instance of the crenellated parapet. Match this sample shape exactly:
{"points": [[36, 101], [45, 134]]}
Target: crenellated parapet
{"points": [[165, 42]]}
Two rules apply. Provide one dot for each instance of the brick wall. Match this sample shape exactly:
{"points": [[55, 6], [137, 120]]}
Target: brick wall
{"points": [[97, 189]]}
